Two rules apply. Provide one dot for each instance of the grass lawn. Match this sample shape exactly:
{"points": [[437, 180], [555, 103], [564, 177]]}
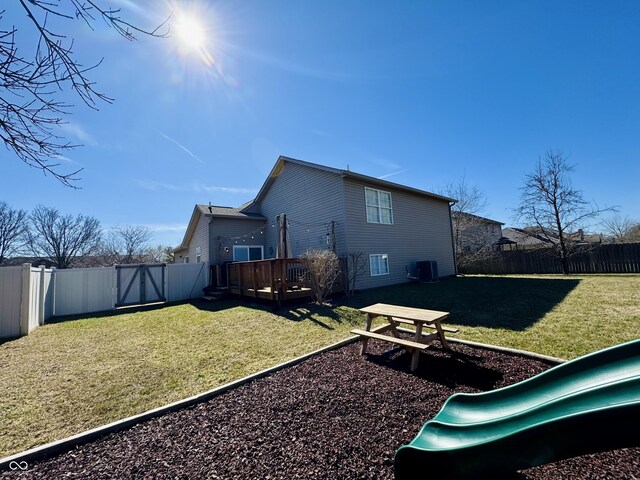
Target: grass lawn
{"points": [[551, 314], [76, 374]]}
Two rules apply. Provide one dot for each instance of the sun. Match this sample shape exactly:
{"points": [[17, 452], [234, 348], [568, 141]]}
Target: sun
{"points": [[190, 33], [196, 48]]}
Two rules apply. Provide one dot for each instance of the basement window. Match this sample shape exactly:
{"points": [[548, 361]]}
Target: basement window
{"points": [[379, 264]]}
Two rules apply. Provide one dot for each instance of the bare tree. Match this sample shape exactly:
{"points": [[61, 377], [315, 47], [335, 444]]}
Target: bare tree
{"points": [[469, 236], [64, 239], [550, 203], [30, 114], [355, 265], [14, 226], [127, 244], [621, 229], [324, 268], [160, 254]]}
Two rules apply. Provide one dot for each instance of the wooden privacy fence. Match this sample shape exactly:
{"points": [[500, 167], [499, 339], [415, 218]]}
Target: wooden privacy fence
{"points": [[607, 258]]}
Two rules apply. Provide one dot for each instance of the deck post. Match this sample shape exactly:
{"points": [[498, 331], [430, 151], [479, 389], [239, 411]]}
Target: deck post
{"points": [[240, 279], [255, 280], [283, 282], [272, 285]]}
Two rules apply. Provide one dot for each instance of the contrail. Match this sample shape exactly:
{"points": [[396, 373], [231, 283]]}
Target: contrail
{"points": [[391, 174], [183, 147]]}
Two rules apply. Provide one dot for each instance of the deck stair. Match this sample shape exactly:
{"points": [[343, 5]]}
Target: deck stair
{"points": [[217, 293]]}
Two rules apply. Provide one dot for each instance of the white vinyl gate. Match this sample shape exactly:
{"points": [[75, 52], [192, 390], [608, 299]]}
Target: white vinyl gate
{"points": [[140, 284]]}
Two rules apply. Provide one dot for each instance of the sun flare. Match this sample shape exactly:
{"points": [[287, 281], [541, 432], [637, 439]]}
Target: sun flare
{"points": [[190, 33], [197, 44]]}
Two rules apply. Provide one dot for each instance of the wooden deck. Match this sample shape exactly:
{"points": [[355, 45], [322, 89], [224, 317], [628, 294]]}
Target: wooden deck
{"points": [[277, 280], [267, 294]]}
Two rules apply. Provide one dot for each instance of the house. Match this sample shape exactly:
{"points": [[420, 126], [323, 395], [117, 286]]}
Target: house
{"points": [[532, 237], [581, 238], [324, 207], [472, 233], [524, 239]]}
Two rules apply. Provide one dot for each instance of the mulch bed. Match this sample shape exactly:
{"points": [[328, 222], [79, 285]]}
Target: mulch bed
{"points": [[335, 416]]}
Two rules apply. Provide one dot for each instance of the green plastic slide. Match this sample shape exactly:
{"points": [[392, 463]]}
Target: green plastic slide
{"points": [[588, 405]]}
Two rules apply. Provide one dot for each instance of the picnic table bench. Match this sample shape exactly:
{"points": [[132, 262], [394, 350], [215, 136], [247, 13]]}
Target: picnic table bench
{"points": [[395, 315]]}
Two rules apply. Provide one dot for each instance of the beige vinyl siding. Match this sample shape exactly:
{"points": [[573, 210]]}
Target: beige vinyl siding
{"points": [[310, 197], [420, 231], [200, 239], [222, 231], [179, 254]]}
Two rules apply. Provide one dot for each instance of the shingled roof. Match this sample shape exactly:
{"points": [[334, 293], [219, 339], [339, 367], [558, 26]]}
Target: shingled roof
{"points": [[228, 212]]}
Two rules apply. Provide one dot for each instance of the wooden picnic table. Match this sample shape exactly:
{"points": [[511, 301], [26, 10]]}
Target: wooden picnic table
{"points": [[395, 315]]}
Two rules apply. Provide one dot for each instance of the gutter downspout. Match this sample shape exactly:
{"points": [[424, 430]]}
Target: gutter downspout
{"points": [[453, 245]]}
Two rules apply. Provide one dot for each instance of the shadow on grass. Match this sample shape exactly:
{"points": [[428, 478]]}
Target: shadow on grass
{"points": [[492, 302], [298, 310], [310, 312], [155, 307], [109, 313]]}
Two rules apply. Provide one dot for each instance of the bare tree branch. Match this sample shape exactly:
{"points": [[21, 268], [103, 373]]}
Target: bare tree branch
{"points": [[14, 227], [127, 244], [551, 204], [622, 229], [323, 268], [354, 266], [30, 115], [471, 237], [65, 239]]}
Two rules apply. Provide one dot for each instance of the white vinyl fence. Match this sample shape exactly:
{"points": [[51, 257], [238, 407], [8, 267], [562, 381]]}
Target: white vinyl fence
{"points": [[84, 290], [186, 280], [26, 299], [31, 295], [10, 301]]}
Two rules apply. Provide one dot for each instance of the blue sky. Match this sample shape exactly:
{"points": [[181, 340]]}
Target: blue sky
{"points": [[422, 92]]}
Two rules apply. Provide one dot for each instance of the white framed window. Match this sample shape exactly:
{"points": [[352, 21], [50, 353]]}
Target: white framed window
{"points": [[245, 253], [198, 254], [185, 260], [379, 209], [379, 264]]}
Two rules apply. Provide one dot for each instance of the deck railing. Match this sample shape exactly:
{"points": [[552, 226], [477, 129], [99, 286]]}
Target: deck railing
{"points": [[273, 278]]}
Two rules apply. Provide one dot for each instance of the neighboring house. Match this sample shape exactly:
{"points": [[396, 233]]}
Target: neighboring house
{"points": [[472, 233], [525, 238], [531, 237], [35, 261], [393, 225], [582, 238]]}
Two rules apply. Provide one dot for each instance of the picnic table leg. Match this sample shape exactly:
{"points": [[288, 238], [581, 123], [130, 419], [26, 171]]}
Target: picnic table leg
{"points": [[441, 335], [365, 340], [393, 325], [416, 353]]}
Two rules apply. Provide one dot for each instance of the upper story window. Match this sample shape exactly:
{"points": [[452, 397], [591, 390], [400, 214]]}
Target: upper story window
{"points": [[379, 208], [198, 254]]}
